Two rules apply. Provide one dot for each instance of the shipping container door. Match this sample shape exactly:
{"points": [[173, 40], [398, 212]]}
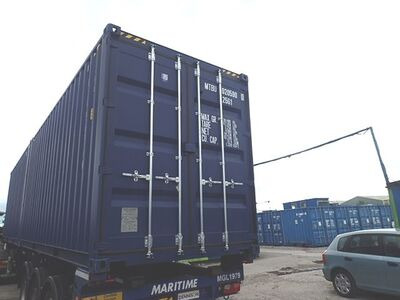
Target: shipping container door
{"points": [[125, 212]]}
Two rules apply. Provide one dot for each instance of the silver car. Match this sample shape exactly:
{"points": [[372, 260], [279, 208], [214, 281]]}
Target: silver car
{"points": [[367, 260]]}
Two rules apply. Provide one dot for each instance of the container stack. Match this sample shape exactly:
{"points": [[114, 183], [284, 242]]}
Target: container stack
{"points": [[312, 224]]}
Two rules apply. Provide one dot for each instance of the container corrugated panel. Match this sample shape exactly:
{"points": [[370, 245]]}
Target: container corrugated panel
{"points": [[342, 219], [330, 223], [268, 238], [277, 228], [317, 236], [76, 201], [260, 236], [295, 226], [376, 216], [386, 214], [365, 217], [354, 218]]}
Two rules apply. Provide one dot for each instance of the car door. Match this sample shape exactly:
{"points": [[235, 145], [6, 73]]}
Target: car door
{"points": [[363, 259], [391, 243]]}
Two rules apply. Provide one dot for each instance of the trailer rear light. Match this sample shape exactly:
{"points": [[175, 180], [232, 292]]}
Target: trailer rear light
{"points": [[231, 288], [324, 258]]}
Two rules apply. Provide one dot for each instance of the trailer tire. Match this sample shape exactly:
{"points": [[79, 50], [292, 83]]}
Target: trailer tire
{"points": [[33, 290], [53, 288], [36, 283], [26, 272]]}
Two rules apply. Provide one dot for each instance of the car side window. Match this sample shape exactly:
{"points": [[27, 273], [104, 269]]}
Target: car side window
{"points": [[342, 243], [364, 244], [391, 244]]}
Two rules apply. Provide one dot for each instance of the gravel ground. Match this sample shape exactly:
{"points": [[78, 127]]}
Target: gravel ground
{"points": [[290, 273], [281, 273]]}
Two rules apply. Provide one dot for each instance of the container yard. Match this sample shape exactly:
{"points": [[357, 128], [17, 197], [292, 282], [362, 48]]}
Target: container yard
{"points": [[211, 153]]}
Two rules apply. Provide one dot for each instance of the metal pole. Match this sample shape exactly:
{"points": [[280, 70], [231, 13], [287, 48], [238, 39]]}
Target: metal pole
{"points": [[179, 108], [379, 157], [201, 237], [221, 113], [152, 58]]}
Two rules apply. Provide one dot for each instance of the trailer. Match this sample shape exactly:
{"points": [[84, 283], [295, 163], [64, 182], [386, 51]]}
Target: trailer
{"points": [[139, 184]]}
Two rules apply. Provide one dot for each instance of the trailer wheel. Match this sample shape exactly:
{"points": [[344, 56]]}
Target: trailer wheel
{"points": [[33, 290], [36, 283], [26, 272], [53, 288]]}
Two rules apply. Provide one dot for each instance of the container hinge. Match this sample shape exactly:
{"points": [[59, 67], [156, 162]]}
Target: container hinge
{"points": [[148, 243], [225, 239], [151, 56], [167, 178], [179, 243], [136, 176], [201, 239], [178, 65]]}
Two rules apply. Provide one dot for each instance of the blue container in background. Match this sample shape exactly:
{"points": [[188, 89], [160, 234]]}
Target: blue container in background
{"points": [[277, 228], [318, 226], [354, 218], [375, 216], [342, 219], [386, 215], [365, 217], [295, 225], [317, 236]]}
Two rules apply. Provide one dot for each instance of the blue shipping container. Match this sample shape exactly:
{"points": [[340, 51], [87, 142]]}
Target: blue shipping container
{"points": [[342, 219], [365, 217], [319, 226], [311, 226], [387, 217], [272, 228], [101, 182]]}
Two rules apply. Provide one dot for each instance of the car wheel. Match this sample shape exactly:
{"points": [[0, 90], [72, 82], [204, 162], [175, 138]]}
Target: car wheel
{"points": [[344, 284]]}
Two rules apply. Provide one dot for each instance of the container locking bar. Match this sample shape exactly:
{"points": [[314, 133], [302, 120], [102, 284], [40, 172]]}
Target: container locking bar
{"points": [[167, 178], [201, 236], [225, 236], [149, 238], [179, 236]]}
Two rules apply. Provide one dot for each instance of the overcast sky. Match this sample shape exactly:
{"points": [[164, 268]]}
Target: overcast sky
{"points": [[317, 70]]}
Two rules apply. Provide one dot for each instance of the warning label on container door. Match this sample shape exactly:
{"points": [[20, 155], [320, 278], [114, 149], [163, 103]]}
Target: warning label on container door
{"points": [[129, 222], [210, 131]]}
